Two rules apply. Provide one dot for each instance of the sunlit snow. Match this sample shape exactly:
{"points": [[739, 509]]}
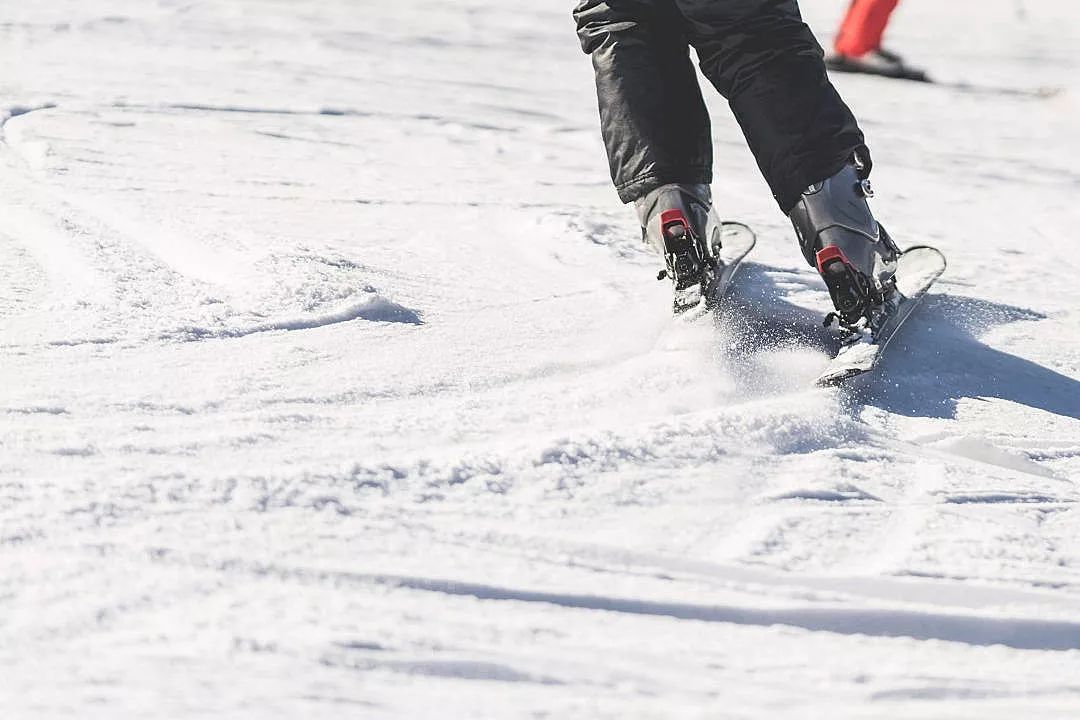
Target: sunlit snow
{"points": [[336, 382]]}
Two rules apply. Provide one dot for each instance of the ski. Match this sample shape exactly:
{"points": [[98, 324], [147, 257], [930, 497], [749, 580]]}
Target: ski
{"points": [[917, 269], [1038, 92], [903, 72], [735, 242], [895, 71], [731, 242]]}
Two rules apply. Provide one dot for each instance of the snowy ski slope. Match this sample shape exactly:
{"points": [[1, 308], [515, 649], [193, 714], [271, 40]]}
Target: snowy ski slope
{"points": [[336, 383]]}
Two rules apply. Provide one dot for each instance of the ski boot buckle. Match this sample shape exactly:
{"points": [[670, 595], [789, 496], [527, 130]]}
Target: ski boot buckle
{"points": [[851, 293]]}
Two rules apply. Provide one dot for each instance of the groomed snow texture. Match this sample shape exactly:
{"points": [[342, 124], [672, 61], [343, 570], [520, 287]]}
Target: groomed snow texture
{"points": [[337, 383]]}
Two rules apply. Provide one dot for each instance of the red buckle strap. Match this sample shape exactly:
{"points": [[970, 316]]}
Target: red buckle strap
{"points": [[830, 254], [673, 217]]}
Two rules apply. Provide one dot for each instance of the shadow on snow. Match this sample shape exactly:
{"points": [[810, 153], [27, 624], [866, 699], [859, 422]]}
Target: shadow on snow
{"points": [[935, 361]]}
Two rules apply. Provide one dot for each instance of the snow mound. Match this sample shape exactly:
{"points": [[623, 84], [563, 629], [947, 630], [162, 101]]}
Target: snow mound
{"points": [[371, 308]]}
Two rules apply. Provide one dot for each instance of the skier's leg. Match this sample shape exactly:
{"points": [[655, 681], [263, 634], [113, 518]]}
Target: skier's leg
{"points": [[863, 27], [762, 57], [839, 235], [652, 116], [655, 129], [858, 43]]}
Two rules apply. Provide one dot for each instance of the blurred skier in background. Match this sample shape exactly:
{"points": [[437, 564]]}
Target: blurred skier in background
{"points": [[858, 43], [764, 60]]}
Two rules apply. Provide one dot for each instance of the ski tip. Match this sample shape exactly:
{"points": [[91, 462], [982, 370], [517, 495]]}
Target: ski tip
{"points": [[736, 226], [836, 379], [742, 234], [735, 243], [926, 249], [917, 249]]}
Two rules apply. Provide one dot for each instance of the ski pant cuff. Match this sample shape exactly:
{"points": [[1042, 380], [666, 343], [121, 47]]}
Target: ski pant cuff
{"points": [[643, 184], [788, 195]]}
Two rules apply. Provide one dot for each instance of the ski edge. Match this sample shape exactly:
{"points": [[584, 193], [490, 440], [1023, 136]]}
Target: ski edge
{"points": [[732, 267], [724, 282], [841, 374]]}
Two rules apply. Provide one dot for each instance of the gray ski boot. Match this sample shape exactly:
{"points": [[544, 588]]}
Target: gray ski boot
{"points": [[840, 237], [677, 220]]}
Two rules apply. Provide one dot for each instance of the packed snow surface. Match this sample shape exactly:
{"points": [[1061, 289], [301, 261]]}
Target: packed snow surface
{"points": [[337, 383]]}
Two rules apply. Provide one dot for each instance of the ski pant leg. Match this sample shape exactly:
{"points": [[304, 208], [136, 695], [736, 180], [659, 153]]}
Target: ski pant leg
{"points": [[762, 57], [652, 116], [863, 27]]}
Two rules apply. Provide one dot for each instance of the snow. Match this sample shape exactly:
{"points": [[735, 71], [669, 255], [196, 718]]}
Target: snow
{"points": [[337, 381]]}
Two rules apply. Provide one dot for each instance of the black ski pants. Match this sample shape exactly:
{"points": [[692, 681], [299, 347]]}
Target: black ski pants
{"points": [[759, 54]]}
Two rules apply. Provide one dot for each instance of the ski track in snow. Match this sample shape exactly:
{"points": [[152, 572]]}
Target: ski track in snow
{"points": [[337, 381]]}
